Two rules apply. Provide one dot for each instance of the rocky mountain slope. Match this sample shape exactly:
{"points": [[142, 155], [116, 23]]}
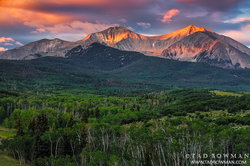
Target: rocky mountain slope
{"points": [[210, 48], [37, 49], [125, 39], [192, 43], [100, 66]]}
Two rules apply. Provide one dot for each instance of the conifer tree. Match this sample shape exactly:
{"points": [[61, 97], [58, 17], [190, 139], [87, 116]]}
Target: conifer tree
{"points": [[41, 125]]}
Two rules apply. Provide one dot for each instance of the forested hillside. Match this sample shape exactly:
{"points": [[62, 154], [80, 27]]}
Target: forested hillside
{"points": [[103, 106], [104, 69], [160, 128]]}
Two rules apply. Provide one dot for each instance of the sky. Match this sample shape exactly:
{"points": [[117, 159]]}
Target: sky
{"points": [[24, 21]]}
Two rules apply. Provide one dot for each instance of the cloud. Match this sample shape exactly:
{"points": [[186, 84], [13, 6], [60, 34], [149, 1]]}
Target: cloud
{"points": [[123, 20], [237, 20], [54, 17], [89, 27], [242, 35], [19, 43], [169, 15], [8, 44], [74, 5], [13, 15], [195, 14], [186, 0], [65, 18], [3, 49], [8, 41], [213, 5], [74, 28], [99, 3], [144, 24]]}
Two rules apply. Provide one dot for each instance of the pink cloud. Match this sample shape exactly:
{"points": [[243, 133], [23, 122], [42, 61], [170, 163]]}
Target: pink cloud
{"points": [[31, 13], [9, 41], [8, 44], [6, 39], [247, 27], [3, 49], [169, 15], [242, 35], [238, 20], [16, 15], [100, 3], [39, 6], [76, 28], [19, 43]]}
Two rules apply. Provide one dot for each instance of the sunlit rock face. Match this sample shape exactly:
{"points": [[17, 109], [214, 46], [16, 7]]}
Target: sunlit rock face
{"points": [[120, 37], [114, 35], [125, 39], [210, 48]]}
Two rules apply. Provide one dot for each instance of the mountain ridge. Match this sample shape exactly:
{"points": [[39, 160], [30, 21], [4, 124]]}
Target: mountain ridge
{"points": [[131, 41], [111, 67], [207, 47], [187, 44]]}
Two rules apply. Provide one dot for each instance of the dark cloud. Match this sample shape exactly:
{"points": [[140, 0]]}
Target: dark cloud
{"points": [[214, 5]]}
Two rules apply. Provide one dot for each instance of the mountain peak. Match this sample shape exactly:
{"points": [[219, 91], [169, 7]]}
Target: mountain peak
{"points": [[184, 32], [118, 29], [115, 30], [193, 28], [50, 40], [112, 35]]}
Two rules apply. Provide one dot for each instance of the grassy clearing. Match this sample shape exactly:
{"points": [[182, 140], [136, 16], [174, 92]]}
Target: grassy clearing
{"points": [[212, 114], [6, 133], [5, 160], [8, 161], [223, 93]]}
